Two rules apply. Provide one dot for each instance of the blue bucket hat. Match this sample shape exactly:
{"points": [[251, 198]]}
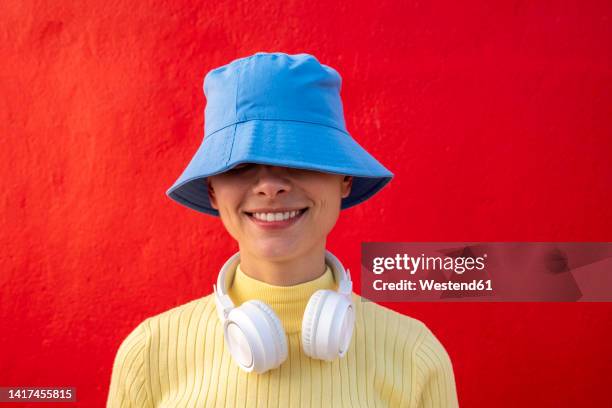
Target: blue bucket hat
{"points": [[276, 109]]}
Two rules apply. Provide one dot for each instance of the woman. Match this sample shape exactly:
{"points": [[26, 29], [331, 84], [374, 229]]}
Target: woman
{"points": [[283, 326]]}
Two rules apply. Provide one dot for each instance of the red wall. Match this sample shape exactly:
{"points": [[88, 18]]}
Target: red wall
{"points": [[494, 116]]}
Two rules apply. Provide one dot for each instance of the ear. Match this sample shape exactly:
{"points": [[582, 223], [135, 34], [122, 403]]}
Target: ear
{"points": [[211, 195], [347, 183]]}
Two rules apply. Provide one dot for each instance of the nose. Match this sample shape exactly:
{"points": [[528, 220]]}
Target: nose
{"points": [[271, 181]]}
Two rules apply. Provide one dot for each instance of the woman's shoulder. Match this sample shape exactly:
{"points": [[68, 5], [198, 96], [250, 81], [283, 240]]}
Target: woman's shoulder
{"points": [[378, 320], [421, 348], [149, 342], [371, 312], [184, 316]]}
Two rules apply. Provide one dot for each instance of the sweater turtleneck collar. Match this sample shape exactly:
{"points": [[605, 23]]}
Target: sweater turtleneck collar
{"points": [[288, 302]]}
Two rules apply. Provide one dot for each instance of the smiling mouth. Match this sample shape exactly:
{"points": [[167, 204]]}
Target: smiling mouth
{"points": [[281, 217]]}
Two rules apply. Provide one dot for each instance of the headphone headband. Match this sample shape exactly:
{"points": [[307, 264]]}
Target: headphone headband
{"points": [[226, 275]]}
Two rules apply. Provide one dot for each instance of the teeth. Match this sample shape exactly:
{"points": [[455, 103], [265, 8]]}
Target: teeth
{"points": [[279, 216]]}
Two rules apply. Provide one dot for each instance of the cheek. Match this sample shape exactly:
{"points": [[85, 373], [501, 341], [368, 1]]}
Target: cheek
{"points": [[228, 224], [229, 217], [329, 211], [228, 199], [237, 228]]}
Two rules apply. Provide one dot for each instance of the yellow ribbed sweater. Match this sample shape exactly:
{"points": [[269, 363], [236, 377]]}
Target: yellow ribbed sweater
{"points": [[178, 359]]}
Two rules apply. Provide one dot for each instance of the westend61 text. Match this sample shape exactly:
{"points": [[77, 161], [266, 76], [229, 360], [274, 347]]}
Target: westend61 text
{"points": [[413, 263], [430, 284]]}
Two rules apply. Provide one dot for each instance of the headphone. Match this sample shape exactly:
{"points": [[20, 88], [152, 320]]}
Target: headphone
{"points": [[255, 336]]}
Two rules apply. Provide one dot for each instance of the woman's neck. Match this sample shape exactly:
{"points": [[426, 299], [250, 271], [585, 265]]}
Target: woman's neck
{"points": [[285, 272]]}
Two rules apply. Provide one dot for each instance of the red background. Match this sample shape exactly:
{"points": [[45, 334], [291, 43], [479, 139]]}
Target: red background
{"points": [[494, 116]]}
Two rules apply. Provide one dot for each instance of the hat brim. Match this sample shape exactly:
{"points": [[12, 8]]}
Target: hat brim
{"points": [[284, 143]]}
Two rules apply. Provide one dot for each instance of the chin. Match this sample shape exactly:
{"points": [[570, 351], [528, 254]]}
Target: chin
{"points": [[277, 250]]}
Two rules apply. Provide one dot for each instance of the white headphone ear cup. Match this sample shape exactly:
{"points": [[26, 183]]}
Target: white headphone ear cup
{"points": [[277, 327], [255, 337], [327, 326], [346, 331], [310, 320]]}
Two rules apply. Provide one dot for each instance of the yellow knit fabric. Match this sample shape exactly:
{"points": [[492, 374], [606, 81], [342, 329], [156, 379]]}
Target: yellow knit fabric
{"points": [[178, 359]]}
